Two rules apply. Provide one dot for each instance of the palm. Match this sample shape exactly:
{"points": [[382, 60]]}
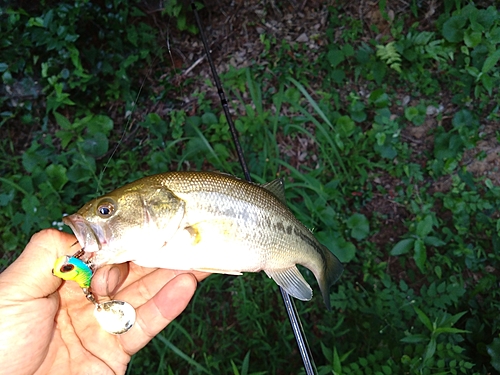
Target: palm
{"points": [[58, 329]]}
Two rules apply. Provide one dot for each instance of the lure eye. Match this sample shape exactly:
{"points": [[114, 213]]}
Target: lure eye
{"points": [[105, 209], [66, 268]]}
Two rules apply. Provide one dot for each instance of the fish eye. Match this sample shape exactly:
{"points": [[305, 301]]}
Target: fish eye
{"points": [[66, 268], [105, 209]]}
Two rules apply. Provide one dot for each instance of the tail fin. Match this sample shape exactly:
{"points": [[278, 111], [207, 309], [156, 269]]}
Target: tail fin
{"points": [[331, 272]]}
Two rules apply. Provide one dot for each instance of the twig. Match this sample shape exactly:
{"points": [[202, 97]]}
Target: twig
{"points": [[197, 62]]}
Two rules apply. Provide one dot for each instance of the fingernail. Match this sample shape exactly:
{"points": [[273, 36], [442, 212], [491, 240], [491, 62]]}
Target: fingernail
{"points": [[113, 280]]}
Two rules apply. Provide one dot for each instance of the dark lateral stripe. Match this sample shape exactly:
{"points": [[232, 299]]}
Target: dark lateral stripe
{"points": [[311, 242], [280, 227]]}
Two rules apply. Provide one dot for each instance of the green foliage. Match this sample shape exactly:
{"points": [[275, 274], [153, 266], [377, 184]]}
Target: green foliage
{"points": [[494, 352], [390, 56], [48, 53], [418, 231], [416, 114], [477, 32], [178, 10]]}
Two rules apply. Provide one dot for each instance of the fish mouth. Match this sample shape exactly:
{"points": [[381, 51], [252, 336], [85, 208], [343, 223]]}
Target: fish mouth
{"points": [[90, 236]]}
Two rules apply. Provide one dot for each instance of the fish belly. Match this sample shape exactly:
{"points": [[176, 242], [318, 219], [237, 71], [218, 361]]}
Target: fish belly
{"points": [[205, 247]]}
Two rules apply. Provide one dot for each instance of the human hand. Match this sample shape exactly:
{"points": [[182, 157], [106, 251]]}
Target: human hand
{"points": [[47, 325]]}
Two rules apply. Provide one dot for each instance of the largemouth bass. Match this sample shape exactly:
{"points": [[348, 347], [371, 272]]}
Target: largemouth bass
{"points": [[204, 221]]}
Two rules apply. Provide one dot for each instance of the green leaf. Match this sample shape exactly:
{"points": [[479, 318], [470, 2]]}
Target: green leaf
{"points": [[420, 255], [424, 227], [57, 176], [447, 146], [337, 75], [387, 370], [155, 125], [381, 138], [433, 241], [338, 141], [413, 339], [453, 29], [438, 271], [494, 35], [235, 369], [487, 83], [379, 98], [430, 350], [65, 136], [449, 330], [472, 38], [344, 250], [174, 349], [403, 247], [357, 111], [337, 365], [359, 225], [5, 199], [387, 151], [95, 145], [345, 126], [491, 61], [463, 119], [494, 352], [30, 161], [208, 118], [451, 320], [424, 318], [77, 173], [335, 57], [411, 113], [245, 364], [327, 352], [62, 121], [348, 50], [100, 124], [30, 205]]}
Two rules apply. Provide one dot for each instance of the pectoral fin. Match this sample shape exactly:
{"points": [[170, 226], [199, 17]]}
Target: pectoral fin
{"points": [[292, 281], [194, 233], [213, 231]]}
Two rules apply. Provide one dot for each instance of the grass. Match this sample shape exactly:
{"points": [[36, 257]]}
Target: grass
{"points": [[388, 144]]}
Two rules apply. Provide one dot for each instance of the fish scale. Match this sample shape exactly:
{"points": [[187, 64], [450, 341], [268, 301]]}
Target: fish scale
{"points": [[205, 221]]}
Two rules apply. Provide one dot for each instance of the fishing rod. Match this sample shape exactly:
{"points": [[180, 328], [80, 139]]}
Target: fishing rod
{"points": [[293, 316]]}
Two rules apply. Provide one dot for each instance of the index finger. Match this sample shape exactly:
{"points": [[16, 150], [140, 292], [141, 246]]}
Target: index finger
{"points": [[154, 315]]}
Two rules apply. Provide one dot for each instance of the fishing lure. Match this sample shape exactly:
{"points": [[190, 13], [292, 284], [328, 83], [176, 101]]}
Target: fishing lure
{"points": [[71, 268], [115, 317]]}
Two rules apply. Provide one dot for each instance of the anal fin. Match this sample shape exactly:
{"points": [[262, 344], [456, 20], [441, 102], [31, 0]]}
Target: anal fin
{"points": [[292, 281], [211, 270]]}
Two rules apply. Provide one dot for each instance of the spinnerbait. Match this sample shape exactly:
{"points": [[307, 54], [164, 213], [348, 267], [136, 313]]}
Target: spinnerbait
{"points": [[115, 316]]}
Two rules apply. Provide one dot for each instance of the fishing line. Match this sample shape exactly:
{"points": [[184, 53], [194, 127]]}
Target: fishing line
{"points": [[222, 97], [120, 141], [289, 303]]}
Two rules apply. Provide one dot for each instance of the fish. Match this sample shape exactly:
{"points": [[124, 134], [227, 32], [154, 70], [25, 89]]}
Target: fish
{"points": [[71, 268], [205, 221]]}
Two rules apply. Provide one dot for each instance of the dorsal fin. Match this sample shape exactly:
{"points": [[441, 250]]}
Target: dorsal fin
{"points": [[277, 187]]}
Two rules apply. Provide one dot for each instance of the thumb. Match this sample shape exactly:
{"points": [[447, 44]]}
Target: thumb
{"points": [[31, 273]]}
